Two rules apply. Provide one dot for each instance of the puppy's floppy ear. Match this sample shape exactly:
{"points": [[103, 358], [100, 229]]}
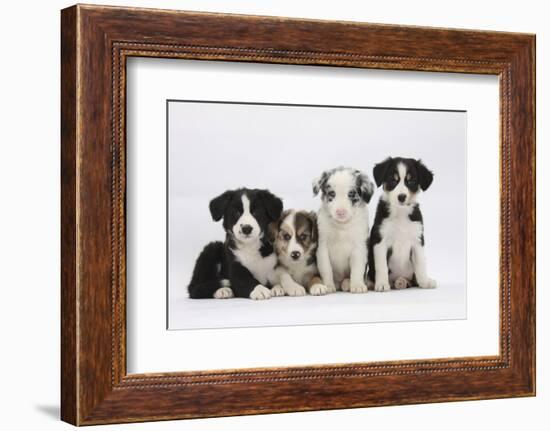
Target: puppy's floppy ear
{"points": [[273, 230], [219, 204], [379, 171], [314, 232], [273, 227], [425, 176], [319, 183], [365, 186], [273, 205]]}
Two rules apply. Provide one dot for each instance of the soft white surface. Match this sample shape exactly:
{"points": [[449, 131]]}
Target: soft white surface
{"points": [[213, 147], [445, 302], [152, 348], [29, 247]]}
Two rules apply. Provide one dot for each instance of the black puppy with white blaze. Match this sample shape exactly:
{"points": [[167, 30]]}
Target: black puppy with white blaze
{"points": [[243, 266], [396, 243]]}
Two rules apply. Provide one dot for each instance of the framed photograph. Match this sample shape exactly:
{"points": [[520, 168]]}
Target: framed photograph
{"points": [[265, 214]]}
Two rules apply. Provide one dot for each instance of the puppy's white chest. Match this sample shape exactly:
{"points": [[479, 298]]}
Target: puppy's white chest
{"points": [[262, 268], [343, 241], [400, 236], [401, 231], [340, 247], [302, 273]]}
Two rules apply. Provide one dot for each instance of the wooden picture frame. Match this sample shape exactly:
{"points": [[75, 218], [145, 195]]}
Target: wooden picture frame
{"points": [[95, 43]]}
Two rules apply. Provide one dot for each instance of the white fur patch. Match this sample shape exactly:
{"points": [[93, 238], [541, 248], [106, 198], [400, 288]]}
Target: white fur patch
{"points": [[359, 287], [318, 289], [400, 234], [277, 290], [430, 283], [345, 285], [260, 292], [246, 219], [262, 268], [294, 289], [223, 293]]}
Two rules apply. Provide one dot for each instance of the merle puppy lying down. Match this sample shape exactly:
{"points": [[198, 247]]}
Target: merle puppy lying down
{"points": [[244, 265]]}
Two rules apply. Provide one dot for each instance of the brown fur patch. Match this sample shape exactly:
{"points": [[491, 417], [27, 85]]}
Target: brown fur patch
{"points": [[304, 227]]}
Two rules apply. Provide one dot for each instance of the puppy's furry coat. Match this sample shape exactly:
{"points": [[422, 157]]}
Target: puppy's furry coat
{"points": [[343, 223]]}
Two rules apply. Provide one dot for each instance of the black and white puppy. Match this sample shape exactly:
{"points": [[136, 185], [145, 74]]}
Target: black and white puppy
{"points": [[396, 244], [243, 266], [343, 224], [295, 240]]}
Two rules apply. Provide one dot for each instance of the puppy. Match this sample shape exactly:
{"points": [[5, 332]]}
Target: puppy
{"points": [[396, 245], [243, 266], [295, 240], [343, 223]]}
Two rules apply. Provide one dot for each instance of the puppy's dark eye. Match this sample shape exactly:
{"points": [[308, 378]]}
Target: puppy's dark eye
{"points": [[352, 194], [286, 236], [331, 194], [303, 237]]}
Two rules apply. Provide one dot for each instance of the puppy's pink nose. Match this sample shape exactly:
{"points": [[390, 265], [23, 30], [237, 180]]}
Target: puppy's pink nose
{"points": [[341, 212]]}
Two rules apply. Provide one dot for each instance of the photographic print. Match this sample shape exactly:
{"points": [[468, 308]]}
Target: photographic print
{"points": [[343, 210], [289, 214]]}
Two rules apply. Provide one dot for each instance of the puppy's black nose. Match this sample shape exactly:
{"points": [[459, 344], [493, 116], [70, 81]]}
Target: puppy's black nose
{"points": [[295, 255], [401, 197], [246, 229]]}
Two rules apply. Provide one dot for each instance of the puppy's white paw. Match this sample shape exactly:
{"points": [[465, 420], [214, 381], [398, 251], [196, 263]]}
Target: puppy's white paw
{"points": [[260, 292], [345, 285], [331, 288], [382, 286], [294, 289], [277, 290], [358, 288], [429, 283], [223, 293], [401, 283], [318, 289]]}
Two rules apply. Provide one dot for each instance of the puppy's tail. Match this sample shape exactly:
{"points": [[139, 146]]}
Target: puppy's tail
{"points": [[206, 275]]}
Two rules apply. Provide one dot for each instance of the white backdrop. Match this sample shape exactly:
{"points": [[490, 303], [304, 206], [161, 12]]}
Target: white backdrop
{"points": [[29, 220], [213, 147]]}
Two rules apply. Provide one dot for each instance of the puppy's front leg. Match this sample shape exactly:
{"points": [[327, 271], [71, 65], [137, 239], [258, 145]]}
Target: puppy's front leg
{"points": [[358, 262], [325, 268], [381, 282], [290, 287], [419, 265], [245, 285]]}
